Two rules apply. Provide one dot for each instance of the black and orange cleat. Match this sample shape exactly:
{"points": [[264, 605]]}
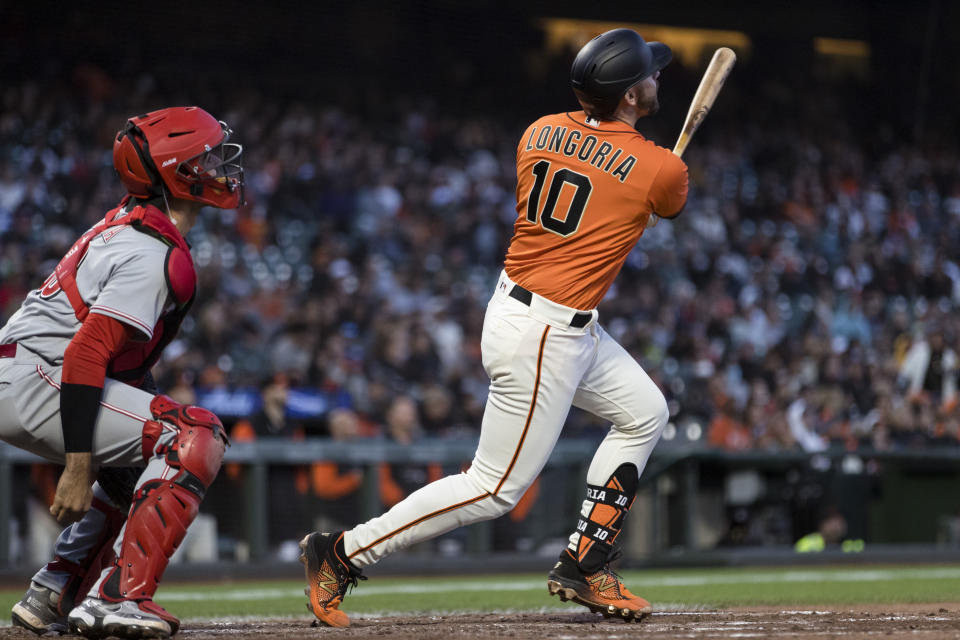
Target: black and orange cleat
{"points": [[329, 574], [600, 591]]}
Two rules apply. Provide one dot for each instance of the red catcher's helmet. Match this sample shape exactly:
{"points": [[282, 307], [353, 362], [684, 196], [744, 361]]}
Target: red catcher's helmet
{"points": [[184, 149]]}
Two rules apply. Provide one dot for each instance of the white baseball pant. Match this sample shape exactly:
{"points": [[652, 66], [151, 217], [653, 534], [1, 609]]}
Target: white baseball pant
{"points": [[30, 420], [538, 367]]}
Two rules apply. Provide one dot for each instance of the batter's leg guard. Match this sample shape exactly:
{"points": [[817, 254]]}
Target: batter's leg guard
{"points": [[163, 508], [601, 518]]}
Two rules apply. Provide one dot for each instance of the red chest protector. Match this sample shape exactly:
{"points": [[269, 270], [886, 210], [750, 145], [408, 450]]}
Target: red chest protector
{"points": [[136, 358]]}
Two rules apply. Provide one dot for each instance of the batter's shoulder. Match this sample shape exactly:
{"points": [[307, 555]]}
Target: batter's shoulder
{"points": [[656, 150], [669, 165], [564, 119]]}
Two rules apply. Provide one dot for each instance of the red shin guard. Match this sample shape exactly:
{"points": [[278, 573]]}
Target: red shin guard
{"points": [[161, 513], [164, 508]]}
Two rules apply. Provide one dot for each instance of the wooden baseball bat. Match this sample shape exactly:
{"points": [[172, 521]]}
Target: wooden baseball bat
{"points": [[713, 79]]}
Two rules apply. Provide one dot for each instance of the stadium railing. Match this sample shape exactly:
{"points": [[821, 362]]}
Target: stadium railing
{"points": [[684, 464]]}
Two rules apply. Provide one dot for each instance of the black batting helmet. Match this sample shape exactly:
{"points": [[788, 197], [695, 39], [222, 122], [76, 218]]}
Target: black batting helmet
{"points": [[613, 62]]}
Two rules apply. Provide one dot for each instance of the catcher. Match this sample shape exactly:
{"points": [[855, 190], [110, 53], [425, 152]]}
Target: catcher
{"points": [[75, 385]]}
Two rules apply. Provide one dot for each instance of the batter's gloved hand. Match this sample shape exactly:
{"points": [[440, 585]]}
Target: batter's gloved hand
{"points": [[74, 489]]}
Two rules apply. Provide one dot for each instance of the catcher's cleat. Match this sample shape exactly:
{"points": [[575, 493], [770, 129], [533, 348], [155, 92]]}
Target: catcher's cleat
{"points": [[328, 574], [601, 591], [38, 611], [131, 619]]}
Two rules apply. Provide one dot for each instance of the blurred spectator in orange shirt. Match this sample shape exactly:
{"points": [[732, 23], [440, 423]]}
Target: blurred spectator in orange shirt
{"points": [[728, 432]]}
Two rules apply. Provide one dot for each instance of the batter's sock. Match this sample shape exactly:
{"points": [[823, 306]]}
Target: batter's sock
{"points": [[340, 551], [601, 518]]}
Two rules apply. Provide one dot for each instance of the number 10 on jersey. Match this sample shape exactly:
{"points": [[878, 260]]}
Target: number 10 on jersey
{"points": [[568, 224]]}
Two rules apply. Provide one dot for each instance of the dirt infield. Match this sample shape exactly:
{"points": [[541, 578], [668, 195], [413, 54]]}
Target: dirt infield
{"points": [[886, 621]]}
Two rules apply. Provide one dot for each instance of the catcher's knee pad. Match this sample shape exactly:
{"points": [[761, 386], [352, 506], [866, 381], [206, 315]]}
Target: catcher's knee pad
{"points": [[199, 444], [164, 508]]}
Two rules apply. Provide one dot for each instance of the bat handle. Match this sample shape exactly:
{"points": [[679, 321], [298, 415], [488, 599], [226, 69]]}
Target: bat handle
{"points": [[682, 143]]}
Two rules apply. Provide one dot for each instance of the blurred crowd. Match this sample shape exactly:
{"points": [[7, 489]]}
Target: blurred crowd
{"points": [[806, 298]]}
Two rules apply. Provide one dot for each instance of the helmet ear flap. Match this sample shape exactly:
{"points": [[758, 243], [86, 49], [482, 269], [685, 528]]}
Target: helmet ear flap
{"points": [[196, 189], [142, 148]]}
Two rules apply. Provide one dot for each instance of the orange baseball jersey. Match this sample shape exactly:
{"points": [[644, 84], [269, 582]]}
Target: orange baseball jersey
{"points": [[585, 189]]}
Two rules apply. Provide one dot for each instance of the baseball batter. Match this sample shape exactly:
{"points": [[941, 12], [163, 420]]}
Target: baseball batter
{"points": [[587, 183], [75, 385]]}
